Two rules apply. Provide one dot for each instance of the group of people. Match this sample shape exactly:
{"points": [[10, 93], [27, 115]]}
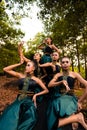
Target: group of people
{"points": [[46, 99]]}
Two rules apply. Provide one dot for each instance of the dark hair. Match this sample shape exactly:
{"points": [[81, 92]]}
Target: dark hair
{"points": [[51, 39], [64, 57], [36, 67], [36, 53]]}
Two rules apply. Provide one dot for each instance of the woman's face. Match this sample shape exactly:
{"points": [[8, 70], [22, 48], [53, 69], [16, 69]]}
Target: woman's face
{"points": [[55, 56], [29, 67], [65, 63], [36, 56], [49, 40]]}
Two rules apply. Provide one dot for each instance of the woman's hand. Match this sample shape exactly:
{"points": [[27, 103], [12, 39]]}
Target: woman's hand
{"points": [[66, 85], [21, 60], [79, 106], [34, 100], [20, 44], [20, 52]]}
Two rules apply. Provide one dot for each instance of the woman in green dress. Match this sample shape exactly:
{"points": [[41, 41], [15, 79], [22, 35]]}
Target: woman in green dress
{"points": [[63, 102], [22, 114], [51, 67], [48, 47]]}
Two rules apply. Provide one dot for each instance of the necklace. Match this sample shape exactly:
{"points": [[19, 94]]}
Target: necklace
{"points": [[54, 62], [65, 75]]}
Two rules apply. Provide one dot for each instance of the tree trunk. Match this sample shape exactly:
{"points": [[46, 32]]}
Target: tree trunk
{"points": [[78, 56]]}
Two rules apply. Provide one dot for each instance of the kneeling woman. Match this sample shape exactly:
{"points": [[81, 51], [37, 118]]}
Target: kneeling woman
{"points": [[65, 104], [21, 114]]}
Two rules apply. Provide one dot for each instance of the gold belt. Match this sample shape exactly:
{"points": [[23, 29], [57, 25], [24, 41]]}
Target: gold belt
{"points": [[70, 92], [24, 94]]}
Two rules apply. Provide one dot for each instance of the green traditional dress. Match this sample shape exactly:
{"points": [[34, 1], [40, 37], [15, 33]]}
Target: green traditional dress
{"points": [[47, 55], [21, 114], [61, 104]]}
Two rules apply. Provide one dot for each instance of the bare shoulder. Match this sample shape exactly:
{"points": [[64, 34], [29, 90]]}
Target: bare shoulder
{"points": [[36, 79], [57, 76], [74, 74], [53, 45], [58, 64], [21, 75]]}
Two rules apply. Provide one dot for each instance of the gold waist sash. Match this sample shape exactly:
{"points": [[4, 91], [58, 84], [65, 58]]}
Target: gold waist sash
{"points": [[70, 92], [24, 94]]}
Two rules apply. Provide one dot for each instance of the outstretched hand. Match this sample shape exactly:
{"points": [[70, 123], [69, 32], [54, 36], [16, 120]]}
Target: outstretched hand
{"points": [[20, 45], [21, 60]]}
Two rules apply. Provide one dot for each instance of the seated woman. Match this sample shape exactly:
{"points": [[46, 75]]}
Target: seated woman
{"points": [[22, 114], [63, 102]]}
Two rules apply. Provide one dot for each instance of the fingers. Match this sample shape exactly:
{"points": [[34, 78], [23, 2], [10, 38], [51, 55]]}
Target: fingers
{"points": [[21, 43], [21, 60], [34, 100], [65, 83], [67, 88]]}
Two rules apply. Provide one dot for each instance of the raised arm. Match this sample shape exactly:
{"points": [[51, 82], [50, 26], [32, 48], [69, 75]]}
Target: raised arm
{"points": [[56, 49], [20, 52], [41, 46], [45, 65], [9, 70]]}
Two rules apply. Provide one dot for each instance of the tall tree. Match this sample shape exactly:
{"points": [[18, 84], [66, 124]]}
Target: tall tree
{"points": [[8, 32]]}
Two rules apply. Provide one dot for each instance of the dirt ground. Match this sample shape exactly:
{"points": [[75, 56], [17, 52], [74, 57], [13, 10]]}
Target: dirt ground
{"points": [[8, 91]]}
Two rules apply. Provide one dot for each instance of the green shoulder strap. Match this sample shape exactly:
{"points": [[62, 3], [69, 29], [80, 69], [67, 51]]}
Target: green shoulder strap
{"points": [[26, 84], [24, 89]]}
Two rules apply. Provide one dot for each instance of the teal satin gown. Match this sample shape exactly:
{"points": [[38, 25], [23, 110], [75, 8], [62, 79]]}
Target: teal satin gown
{"points": [[47, 55], [60, 105], [21, 114]]}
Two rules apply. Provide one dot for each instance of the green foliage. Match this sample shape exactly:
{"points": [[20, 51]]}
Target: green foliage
{"points": [[65, 20], [33, 44], [8, 33], [20, 8], [82, 73], [7, 57]]}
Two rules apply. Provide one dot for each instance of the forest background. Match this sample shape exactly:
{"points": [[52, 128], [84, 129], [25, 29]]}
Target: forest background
{"points": [[64, 20]]}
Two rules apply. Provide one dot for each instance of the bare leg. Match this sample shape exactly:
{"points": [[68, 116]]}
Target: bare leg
{"points": [[73, 118]]}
